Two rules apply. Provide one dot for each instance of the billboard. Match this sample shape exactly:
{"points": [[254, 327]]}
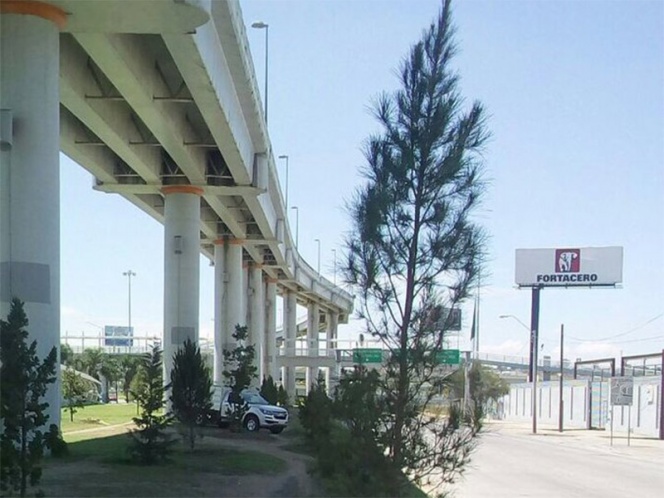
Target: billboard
{"points": [[569, 267], [118, 336]]}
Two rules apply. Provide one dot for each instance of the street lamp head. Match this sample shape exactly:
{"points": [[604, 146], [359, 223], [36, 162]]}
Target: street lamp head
{"points": [[283, 156], [294, 207], [259, 25], [504, 316]]}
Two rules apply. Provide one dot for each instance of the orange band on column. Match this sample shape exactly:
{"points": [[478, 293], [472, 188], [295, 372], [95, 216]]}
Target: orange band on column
{"points": [[271, 280], [182, 189], [236, 242], [32, 8]]}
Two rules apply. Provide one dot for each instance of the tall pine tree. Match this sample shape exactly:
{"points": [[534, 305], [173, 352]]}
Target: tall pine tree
{"points": [[414, 248]]}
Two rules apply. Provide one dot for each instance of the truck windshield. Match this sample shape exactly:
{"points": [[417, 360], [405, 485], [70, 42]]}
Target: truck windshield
{"points": [[254, 399]]}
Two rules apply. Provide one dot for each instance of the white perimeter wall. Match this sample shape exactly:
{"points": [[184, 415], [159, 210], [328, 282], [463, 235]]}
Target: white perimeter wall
{"points": [[646, 403], [518, 403], [645, 416]]}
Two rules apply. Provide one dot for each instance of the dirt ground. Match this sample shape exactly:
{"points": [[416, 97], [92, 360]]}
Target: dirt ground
{"points": [[91, 477]]}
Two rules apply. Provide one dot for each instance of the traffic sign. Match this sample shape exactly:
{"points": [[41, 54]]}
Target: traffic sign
{"points": [[621, 391], [367, 355], [448, 357]]}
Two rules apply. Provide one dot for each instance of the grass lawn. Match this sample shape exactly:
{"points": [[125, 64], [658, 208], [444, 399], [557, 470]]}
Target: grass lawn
{"points": [[97, 416], [205, 458], [100, 466]]}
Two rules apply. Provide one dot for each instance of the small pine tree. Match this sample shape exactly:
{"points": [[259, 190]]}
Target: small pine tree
{"points": [[191, 389], [73, 390], [239, 373], [138, 385], [282, 396], [150, 442], [55, 442], [25, 380], [269, 390], [129, 367], [315, 413]]}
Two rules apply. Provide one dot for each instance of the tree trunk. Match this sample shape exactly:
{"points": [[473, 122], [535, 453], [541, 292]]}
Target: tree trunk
{"points": [[192, 435], [24, 456]]}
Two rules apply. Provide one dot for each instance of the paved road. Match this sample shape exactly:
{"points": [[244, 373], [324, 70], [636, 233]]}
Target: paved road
{"points": [[510, 462]]}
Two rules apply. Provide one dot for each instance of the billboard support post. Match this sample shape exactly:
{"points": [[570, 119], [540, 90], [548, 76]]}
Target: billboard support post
{"points": [[661, 400], [534, 327]]}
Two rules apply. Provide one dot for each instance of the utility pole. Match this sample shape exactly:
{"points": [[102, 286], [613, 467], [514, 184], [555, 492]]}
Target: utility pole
{"points": [[560, 402], [466, 383], [534, 342]]}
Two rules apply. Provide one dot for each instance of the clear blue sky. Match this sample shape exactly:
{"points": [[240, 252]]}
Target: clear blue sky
{"points": [[575, 91]]}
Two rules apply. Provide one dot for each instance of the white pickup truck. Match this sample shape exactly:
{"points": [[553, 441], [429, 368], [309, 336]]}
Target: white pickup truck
{"points": [[260, 413]]}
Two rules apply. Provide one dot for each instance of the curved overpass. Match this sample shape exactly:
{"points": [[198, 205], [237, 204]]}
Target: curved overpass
{"points": [[159, 102], [147, 104]]}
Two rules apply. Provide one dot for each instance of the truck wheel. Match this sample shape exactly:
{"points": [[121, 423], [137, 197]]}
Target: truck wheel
{"points": [[251, 423]]}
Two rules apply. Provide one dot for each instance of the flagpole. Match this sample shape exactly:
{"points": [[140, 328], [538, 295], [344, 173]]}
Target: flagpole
{"points": [[477, 317]]}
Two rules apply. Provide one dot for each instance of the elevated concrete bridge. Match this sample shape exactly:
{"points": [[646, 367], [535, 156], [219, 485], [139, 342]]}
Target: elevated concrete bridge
{"points": [[158, 101]]}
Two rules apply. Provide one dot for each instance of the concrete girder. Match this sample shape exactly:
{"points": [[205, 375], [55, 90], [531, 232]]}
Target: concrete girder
{"points": [[137, 16], [109, 120], [132, 71], [224, 114], [194, 54], [126, 69], [227, 17], [209, 190]]}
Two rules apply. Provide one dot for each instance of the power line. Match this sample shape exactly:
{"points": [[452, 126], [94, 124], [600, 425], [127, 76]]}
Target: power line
{"points": [[638, 340], [657, 317]]}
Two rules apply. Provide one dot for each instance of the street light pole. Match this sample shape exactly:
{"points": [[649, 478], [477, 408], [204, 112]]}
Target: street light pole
{"points": [[265, 26], [560, 401], [286, 158], [129, 274], [534, 341], [334, 251], [318, 264], [515, 318], [297, 226]]}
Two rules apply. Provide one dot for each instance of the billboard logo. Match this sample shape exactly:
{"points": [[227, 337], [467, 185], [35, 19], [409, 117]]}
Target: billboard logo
{"points": [[568, 260]]}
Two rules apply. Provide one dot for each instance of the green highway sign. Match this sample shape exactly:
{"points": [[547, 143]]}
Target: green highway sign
{"points": [[448, 357], [368, 355]]}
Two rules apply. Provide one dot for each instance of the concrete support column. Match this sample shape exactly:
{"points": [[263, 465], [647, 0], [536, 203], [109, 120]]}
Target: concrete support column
{"points": [[256, 317], [270, 363], [331, 337], [235, 303], [220, 297], [30, 173], [290, 334], [182, 248], [313, 324]]}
